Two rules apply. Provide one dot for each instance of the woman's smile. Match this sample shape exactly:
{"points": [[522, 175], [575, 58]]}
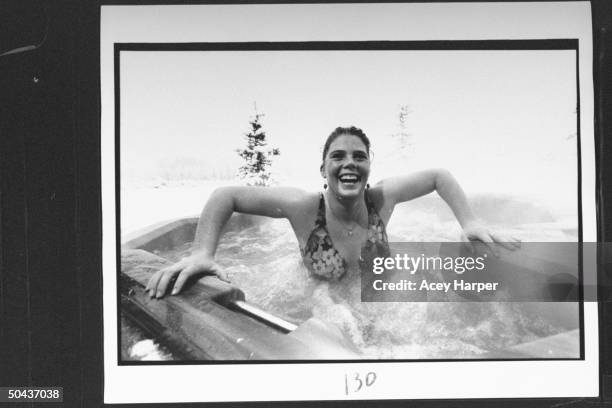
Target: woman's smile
{"points": [[350, 181]]}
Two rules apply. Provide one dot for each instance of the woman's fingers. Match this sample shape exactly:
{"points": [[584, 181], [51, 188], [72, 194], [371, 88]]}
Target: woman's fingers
{"points": [[507, 245], [510, 243], [489, 242], [504, 242], [224, 276], [482, 235], [153, 282], [159, 281], [162, 286], [197, 270], [516, 243], [182, 278]]}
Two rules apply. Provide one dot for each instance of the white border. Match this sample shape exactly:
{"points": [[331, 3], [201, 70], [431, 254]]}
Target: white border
{"points": [[343, 22]]}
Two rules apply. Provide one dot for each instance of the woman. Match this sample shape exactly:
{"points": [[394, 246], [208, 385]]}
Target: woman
{"points": [[338, 229]]}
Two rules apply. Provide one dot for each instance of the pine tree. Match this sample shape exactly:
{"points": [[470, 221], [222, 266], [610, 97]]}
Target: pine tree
{"points": [[257, 158]]}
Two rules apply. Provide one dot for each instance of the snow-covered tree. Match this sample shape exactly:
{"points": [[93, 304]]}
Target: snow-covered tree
{"points": [[257, 157]]}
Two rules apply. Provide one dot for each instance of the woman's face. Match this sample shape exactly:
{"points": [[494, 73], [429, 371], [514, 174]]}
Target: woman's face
{"points": [[347, 166]]}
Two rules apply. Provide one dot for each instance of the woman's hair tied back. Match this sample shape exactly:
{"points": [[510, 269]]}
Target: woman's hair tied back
{"points": [[350, 130]]}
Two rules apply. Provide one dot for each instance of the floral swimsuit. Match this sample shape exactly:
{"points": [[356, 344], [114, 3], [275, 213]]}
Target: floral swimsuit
{"points": [[324, 260]]}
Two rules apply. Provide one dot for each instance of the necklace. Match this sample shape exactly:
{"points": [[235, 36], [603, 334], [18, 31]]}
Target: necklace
{"points": [[347, 231]]}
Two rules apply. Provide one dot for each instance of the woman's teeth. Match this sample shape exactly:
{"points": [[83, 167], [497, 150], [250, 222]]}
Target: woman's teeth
{"points": [[349, 179]]}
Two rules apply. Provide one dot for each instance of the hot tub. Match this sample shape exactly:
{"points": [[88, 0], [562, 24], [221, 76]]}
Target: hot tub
{"points": [[274, 310]]}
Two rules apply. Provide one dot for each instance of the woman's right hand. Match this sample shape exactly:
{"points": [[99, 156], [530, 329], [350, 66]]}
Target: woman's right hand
{"points": [[195, 265]]}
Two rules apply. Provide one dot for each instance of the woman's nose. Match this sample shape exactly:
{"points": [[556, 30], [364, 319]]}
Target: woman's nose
{"points": [[348, 161]]}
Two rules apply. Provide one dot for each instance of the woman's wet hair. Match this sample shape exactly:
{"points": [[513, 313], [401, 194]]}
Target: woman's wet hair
{"points": [[339, 131]]}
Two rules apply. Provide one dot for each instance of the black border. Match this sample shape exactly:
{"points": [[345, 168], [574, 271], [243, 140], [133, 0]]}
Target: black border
{"points": [[489, 45]]}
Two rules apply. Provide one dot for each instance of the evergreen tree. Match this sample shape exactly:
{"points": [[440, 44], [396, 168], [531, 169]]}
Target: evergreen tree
{"points": [[257, 157]]}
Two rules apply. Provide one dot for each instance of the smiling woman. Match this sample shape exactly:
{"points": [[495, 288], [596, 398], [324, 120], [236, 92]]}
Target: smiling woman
{"points": [[352, 145], [339, 230]]}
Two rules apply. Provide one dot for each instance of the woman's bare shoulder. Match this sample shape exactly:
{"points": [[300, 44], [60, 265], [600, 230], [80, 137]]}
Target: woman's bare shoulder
{"points": [[294, 201], [277, 202], [295, 196], [303, 201], [304, 206]]}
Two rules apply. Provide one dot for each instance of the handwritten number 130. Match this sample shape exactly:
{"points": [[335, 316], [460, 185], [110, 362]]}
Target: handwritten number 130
{"points": [[358, 382]]}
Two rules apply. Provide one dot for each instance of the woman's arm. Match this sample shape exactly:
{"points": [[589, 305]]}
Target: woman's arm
{"points": [[277, 202], [400, 189], [405, 188]]}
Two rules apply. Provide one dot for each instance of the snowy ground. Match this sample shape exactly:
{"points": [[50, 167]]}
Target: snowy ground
{"points": [[150, 203]]}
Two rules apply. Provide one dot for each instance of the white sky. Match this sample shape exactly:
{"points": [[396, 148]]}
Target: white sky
{"points": [[499, 120]]}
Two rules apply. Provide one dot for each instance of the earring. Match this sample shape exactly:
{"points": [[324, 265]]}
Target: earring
{"points": [[325, 186], [367, 185]]}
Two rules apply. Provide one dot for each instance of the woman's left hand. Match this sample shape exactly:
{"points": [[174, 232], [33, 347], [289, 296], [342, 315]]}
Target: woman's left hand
{"points": [[477, 231]]}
